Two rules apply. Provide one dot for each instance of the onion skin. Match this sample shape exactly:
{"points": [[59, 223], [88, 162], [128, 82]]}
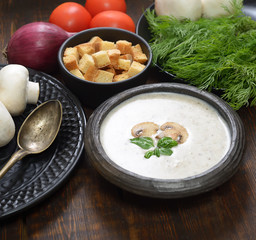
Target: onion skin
{"points": [[36, 45]]}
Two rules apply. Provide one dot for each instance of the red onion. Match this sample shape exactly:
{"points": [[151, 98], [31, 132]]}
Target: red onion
{"points": [[35, 45]]}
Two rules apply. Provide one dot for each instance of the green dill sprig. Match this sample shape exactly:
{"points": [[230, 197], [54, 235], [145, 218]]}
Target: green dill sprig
{"points": [[211, 54]]}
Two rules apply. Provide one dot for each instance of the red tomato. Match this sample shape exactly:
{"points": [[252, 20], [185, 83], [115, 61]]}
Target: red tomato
{"points": [[96, 6], [115, 19], [71, 16]]}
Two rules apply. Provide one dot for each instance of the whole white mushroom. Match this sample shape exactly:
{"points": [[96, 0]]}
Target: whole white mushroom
{"points": [[7, 126], [179, 9], [16, 91]]}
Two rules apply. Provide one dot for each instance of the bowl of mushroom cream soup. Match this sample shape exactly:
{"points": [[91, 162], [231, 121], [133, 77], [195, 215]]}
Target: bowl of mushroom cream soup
{"points": [[165, 140]]}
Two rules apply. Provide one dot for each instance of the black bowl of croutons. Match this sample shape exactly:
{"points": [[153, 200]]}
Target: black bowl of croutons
{"points": [[100, 62]]}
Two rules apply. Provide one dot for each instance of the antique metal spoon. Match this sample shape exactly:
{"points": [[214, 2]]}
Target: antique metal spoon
{"points": [[37, 132]]}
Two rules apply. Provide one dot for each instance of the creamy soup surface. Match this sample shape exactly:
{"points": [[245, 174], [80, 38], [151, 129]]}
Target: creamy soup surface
{"points": [[207, 143]]}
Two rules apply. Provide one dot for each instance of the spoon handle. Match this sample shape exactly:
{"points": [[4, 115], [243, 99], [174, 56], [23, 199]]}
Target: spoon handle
{"points": [[14, 158]]}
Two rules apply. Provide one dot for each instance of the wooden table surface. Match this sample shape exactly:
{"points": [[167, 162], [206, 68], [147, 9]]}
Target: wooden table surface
{"points": [[89, 207]]}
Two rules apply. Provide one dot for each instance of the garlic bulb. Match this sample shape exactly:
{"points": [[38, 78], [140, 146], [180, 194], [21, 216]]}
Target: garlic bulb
{"points": [[217, 8], [179, 9]]}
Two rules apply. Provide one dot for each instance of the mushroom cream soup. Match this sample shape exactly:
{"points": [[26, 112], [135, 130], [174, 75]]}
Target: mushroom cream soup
{"points": [[207, 142]]}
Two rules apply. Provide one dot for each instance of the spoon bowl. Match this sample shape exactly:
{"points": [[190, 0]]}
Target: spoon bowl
{"points": [[37, 132], [40, 128]]}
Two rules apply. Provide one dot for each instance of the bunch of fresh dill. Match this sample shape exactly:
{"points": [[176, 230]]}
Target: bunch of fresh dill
{"points": [[209, 53]]}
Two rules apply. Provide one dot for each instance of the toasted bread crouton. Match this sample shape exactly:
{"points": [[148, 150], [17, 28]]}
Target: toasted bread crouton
{"points": [[70, 62], [127, 57], [105, 61], [124, 46], [106, 45], [101, 59], [85, 48], [77, 73], [103, 76], [90, 73], [124, 64], [120, 77], [110, 69], [136, 49], [71, 51], [85, 62], [114, 55], [140, 57], [138, 54], [135, 68], [95, 41]]}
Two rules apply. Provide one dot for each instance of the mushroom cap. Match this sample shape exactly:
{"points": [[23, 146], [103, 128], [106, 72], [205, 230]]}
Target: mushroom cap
{"points": [[172, 133], [13, 86], [7, 126], [174, 130], [145, 129]]}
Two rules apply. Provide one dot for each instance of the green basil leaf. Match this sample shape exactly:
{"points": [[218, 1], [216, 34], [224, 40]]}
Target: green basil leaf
{"points": [[148, 154], [157, 152], [166, 142], [166, 151], [143, 142]]}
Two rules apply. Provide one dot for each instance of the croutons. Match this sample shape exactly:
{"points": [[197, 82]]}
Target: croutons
{"points": [[70, 62], [85, 48], [95, 41], [77, 73], [90, 73], [104, 61], [114, 55], [124, 64], [85, 62], [135, 68], [120, 77], [124, 46], [101, 59], [127, 57], [103, 76], [138, 55], [111, 69], [71, 51], [106, 45]]}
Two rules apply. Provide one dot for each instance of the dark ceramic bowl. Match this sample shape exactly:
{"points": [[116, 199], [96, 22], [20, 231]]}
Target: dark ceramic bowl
{"points": [[92, 93], [165, 188]]}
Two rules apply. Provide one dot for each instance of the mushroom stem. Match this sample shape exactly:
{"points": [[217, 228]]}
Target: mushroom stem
{"points": [[32, 92]]}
